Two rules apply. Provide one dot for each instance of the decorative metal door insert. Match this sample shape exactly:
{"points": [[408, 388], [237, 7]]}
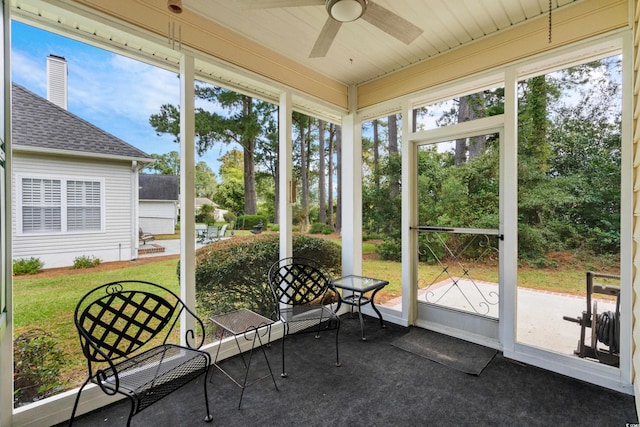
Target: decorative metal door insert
{"points": [[458, 268]]}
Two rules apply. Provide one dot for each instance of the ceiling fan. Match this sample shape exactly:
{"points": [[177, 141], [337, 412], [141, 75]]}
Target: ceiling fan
{"points": [[341, 11]]}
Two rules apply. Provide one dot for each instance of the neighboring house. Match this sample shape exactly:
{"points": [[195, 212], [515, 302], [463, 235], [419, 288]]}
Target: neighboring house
{"points": [[218, 214], [159, 196], [74, 190]]}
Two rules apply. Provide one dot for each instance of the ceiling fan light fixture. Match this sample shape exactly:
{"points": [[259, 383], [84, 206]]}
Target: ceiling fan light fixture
{"points": [[175, 6], [346, 10]]}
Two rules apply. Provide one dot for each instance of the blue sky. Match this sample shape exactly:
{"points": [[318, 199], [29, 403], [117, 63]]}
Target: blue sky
{"points": [[111, 91]]}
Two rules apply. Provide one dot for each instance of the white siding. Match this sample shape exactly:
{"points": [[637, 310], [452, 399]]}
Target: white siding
{"points": [[158, 216], [114, 243]]}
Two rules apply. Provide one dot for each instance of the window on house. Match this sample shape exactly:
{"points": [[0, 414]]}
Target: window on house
{"points": [[58, 205], [83, 205]]}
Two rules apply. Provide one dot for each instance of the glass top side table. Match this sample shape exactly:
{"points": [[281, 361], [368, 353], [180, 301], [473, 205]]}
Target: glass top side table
{"points": [[253, 327], [359, 285]]}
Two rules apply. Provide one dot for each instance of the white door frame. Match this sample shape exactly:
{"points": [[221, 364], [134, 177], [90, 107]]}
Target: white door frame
{"points": [[468, 326]]}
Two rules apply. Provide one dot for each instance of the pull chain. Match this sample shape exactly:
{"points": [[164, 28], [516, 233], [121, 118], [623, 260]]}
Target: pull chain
{"points": [[550, 8]]}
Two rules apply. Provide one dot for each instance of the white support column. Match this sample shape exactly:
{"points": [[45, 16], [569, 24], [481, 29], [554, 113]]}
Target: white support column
{"points": [[508, 310], [187, 191], [6, 317], [351, 190], [409, 219], [285, 159]]}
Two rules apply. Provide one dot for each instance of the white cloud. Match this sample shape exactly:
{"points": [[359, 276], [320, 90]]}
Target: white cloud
{"points": [[113, 92], [28, 72], [120, 86]]}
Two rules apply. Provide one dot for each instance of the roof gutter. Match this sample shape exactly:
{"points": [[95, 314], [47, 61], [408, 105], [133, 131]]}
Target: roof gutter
{"points": [[82, 154]]}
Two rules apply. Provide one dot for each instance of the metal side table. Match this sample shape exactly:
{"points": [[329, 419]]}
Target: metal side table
{"points": [[358, 286], [252, 327]]}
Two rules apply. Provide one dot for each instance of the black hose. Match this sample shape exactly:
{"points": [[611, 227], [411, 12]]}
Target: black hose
{"points": [[607, 331]]}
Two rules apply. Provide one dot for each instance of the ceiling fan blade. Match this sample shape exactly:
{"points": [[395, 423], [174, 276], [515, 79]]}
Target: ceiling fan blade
{"points": [[270, 4], [391, 23], [325, 38]]}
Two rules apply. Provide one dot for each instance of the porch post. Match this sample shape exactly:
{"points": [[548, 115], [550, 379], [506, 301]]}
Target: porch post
{"points": [[351, 189], [6, 307], [509, 214], [285, 175], [409, 219], [187, 191]]}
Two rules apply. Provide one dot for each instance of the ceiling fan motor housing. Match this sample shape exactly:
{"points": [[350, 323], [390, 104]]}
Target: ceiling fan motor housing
{"points": [[346, 10]]}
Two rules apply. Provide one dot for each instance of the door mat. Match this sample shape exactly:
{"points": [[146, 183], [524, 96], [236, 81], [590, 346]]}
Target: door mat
{"points": [[455, 353]]}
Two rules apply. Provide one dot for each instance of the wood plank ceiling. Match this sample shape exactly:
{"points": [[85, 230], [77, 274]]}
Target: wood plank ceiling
{"points": [[362, 52]]}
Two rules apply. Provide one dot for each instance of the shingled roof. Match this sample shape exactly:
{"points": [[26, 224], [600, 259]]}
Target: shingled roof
{"points": [[158, 187], [41, 124]]}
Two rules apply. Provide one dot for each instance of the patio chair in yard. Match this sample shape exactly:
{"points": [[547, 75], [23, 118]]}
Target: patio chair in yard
{"points": [[257, 229], [218, 234], [305, 299], [145, 237], [124, 330], [212, 233]]}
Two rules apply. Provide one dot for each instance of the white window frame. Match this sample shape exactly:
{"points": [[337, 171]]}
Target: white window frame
{"points": [[64, 204]]}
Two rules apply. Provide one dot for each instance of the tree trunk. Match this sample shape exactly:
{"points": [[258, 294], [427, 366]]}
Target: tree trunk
{"points": [[276, 179], [394, 180], [470, 107], [339, 178], [477, 144], [460, 156], [303, 177], [330, 180], [307, 184], [376, 156], [250, 198], [322, 196]]}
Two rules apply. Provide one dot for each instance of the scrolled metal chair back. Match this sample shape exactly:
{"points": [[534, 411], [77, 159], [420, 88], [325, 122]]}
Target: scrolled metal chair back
{"points": [[118, 318]]}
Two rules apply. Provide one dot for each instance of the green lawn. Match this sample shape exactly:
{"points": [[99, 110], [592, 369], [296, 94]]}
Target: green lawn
{"points": [[48, 302]]}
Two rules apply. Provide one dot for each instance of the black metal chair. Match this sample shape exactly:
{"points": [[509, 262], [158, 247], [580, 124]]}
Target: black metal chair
{"points": [[257, 229], [305, 299], [125, 328]]}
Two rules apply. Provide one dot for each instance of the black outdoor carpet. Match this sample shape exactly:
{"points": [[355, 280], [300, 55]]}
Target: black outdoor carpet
{"points": [[455, 353], [378, 385]]}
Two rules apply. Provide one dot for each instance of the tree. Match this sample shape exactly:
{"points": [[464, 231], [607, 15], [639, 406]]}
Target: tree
{"points": [[169, 164], [322, 216], [470, 107], [242, 125], [205, 180], [268, 182], [338, 146], [332, 132], [230, 192], [166, 164], [303, 123], [394, 156]]}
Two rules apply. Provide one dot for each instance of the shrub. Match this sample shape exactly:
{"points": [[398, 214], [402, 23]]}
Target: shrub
{"points": [[37, 362], [273, 227], [233, 274], [205, 215], [86, 261], [531, 242], [24, 266], [390, 249], [320, 228], [371, 236], [230, 217]]}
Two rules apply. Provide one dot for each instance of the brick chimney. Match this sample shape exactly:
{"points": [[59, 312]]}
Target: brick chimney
{"points": [[57, 80]]}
